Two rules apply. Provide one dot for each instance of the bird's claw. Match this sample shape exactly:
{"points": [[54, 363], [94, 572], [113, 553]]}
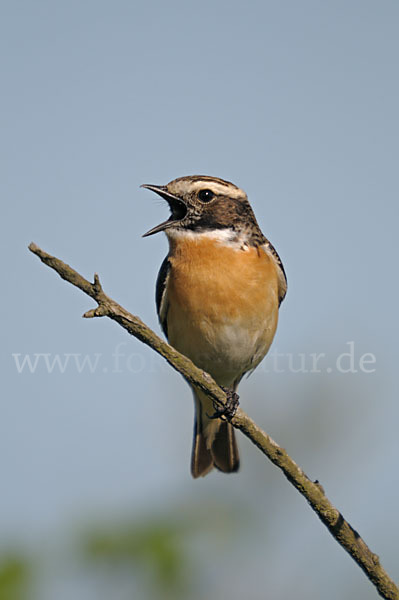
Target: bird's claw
{"points": [[230, 408]]}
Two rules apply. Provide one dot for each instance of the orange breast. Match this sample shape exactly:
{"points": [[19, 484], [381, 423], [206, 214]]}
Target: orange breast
{"points": [[221, 281], [220, 297]]}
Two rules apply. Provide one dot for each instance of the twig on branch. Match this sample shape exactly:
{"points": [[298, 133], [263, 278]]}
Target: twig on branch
{"points": [[339, 528]]}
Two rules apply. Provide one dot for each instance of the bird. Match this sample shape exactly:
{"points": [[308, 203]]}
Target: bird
{"points": [[218, 294]]}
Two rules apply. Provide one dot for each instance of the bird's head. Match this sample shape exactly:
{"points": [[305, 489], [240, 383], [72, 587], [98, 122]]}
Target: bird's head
{"points": [[200, 203]]}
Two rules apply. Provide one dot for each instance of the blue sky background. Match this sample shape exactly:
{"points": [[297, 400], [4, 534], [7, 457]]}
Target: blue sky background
{"points": [[295, 102]]}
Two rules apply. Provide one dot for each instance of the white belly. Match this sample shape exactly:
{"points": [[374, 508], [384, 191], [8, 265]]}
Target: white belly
{"points": [[227, 350]]}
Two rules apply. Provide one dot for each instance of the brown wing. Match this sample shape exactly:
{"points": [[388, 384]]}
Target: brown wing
{"points": [[282, 278], [161, 298]]}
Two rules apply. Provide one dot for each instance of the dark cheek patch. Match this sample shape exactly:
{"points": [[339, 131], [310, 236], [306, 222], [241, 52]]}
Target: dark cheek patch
{"points": [[224, 212]]}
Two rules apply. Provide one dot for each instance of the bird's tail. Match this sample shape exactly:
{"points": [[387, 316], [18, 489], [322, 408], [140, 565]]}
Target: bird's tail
{"points": [[214, 443]]}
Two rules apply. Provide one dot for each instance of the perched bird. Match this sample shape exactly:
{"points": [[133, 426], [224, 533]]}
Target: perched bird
{"points": [[217, 294]]}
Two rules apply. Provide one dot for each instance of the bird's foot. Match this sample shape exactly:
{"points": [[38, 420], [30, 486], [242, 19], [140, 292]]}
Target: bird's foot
{"points": [[230, 408]]}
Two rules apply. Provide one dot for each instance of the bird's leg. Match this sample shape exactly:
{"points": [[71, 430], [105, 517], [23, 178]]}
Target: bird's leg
{"points": [[230, 408]]}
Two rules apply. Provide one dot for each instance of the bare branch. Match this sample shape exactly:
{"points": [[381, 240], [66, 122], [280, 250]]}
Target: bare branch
{"points": [[339, 528]]}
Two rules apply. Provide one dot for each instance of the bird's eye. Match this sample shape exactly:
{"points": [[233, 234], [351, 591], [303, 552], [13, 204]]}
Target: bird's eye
{"points": [[206, 195]]}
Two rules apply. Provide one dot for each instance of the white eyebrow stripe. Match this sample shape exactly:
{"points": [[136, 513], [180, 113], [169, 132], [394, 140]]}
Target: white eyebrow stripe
{"points": [[216, 187]]}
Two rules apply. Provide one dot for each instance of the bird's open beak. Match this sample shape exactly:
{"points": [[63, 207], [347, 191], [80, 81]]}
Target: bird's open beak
{"points": [[176, 205]]}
